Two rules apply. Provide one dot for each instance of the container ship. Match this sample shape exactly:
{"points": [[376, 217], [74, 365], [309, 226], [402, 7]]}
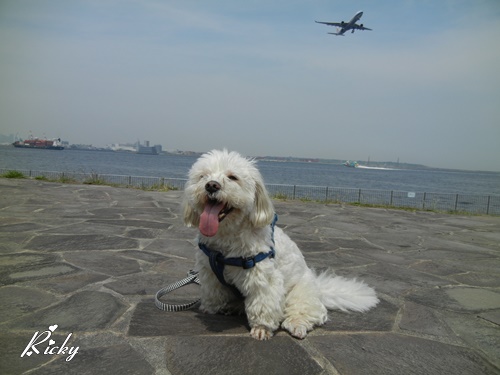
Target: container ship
{"points": [[54, 144]]}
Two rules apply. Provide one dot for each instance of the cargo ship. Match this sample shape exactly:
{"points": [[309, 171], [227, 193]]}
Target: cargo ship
{"points": [[53, 144]]}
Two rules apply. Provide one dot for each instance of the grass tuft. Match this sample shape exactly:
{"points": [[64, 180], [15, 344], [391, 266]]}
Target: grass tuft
{"points": [[13, 174]]}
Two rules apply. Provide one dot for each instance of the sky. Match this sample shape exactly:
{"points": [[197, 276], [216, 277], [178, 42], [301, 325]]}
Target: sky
{"points": [[259, 77]]}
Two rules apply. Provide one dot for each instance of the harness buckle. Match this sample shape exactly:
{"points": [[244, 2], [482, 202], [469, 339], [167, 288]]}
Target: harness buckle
{"points": [[248, 262]]}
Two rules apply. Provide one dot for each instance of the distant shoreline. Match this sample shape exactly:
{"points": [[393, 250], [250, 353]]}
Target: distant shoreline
{"points": [[287, 159]]}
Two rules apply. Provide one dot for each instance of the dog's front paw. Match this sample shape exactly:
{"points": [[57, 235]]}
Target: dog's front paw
{"points": [[296, 328], [261, 333]]}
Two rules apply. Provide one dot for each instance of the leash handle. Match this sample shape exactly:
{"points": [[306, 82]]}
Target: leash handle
{"points": [[192, 278]]}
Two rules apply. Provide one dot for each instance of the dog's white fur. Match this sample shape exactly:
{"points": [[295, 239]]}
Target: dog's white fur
{"points": [[280, 290]]}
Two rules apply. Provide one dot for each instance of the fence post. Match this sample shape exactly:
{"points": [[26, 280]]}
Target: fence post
{"points": [[129, 180], [456, 202], [392, 192], [488, 206], [359, 196], [423, 201], [326, 195], [293, 192]]}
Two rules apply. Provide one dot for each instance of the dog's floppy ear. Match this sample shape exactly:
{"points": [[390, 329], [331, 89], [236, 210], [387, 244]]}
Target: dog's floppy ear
{"points": [[263, 211], [191, 219]]}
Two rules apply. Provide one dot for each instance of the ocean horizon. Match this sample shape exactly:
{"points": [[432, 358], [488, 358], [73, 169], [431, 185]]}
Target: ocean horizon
{"points": [[284, 172]]}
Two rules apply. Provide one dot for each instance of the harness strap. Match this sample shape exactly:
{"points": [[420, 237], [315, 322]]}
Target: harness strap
{"points": [[217, 261]]}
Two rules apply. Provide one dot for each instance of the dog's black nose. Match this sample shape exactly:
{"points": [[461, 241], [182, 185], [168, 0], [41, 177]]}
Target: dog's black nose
{"points": [[212, 186]]}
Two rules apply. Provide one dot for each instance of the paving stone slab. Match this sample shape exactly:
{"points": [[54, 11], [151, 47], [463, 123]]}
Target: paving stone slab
{"points": [[13, 242], [178, 232], [92, 194], [475, 299], [452, 248], [108, 263], [236, 355], [21, 227], [480, 279], [174, 267], [41, 272], [286, 219], [334, 260], [148, 284], [148, 320], [381, 318], [478, 265], [477, 332], [83, 311], [142, 233], [376, 255], [144, 256], [178, 247], [66, 284], [388, 354], [23, 267], [20, 301], [82, 228], [396, 280], [12, 345], [54, 242], [423, 320], [111, 360], [437, 268], [307, 233], [12, 262], [396, 242], [457, 299], [130, 223], [492, 316], [316, 246]]}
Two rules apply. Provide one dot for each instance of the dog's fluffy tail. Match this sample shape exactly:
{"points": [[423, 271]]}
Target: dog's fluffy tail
{"points": [[337, 292]]}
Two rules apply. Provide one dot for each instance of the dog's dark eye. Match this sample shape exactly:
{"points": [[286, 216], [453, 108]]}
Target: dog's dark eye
{"points": [[232, 177]]}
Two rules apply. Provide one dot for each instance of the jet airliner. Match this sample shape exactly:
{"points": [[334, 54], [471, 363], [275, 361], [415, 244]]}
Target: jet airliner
{"points": [[342, 27]]}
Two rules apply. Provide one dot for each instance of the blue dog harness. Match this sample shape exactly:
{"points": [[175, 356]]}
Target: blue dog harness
{"points": [[218, 261]]}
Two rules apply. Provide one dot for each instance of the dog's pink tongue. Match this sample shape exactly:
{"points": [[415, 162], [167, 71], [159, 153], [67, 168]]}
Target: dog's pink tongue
{"points": [[209, 219]]}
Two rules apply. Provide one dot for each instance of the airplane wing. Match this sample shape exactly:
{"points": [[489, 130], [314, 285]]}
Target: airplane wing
{"points": [[338, 24], [360, 27]]}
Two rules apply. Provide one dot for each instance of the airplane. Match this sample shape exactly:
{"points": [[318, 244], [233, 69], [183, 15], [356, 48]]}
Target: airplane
{"points": [[342, 27]]}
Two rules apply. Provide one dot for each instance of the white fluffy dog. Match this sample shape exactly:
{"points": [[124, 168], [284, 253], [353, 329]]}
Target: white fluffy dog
{"points": [[226, 199]]}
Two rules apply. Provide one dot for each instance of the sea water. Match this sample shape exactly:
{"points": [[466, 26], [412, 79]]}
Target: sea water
{"points": [[286, 173]]}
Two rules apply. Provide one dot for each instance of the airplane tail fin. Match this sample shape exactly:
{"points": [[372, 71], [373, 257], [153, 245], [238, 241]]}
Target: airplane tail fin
{"points": [[339, 32]]}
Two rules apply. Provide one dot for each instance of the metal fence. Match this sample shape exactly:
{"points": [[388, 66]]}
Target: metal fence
{"points": [[467, 203]]}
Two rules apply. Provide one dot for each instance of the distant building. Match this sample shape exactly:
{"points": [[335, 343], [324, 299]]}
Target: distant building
{"points": [[147, 149]]}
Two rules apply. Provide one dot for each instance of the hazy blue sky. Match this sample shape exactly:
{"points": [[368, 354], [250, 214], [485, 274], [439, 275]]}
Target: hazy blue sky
{"points": [[259, 77]]}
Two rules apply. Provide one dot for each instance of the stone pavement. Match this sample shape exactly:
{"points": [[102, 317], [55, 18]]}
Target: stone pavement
{"points": [[86, 261]]}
